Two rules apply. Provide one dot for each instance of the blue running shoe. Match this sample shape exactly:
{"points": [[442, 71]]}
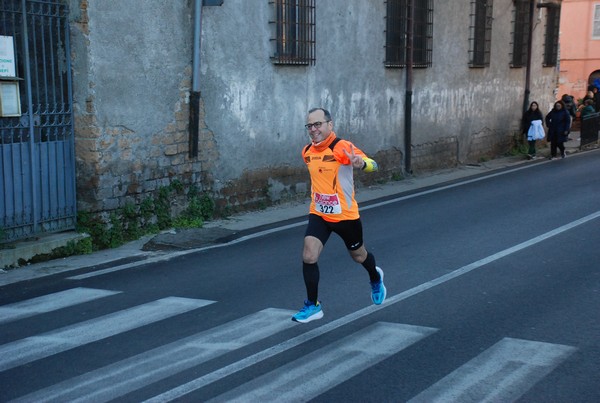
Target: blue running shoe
{"points": [[308, 313], [378, 291]]}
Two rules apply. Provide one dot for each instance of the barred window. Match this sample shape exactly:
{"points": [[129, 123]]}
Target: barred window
{"points": [[294, 32], [552, 30], [520, 33], [396, 33], [481, 33]]}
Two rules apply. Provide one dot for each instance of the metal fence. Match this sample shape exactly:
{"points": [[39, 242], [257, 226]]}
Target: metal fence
{"points": [[37, 159], [590, 125]]}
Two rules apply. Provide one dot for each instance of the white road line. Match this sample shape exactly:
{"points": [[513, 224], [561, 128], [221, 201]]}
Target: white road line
{"points": [[120, 378], [503, 373], [36, 347], [51, 302], [445, 187], [314, 333], [331, 365]]}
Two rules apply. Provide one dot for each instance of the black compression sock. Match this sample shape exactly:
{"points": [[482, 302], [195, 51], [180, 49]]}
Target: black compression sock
{"points": [[370, 265], [311, 280]]}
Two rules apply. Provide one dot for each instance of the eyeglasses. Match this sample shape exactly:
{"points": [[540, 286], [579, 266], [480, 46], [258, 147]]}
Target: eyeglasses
{"points": [[316, 125]]}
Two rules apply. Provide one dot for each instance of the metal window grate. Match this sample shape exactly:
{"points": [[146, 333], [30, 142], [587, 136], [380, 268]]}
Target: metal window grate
{"points": [[397, 13], [395, 33], [552, 30], [294, 32], [481, 33], [520, 33], [423, 33]]}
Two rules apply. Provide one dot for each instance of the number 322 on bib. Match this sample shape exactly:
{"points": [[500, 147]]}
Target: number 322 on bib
{"points": [[327, 204]]}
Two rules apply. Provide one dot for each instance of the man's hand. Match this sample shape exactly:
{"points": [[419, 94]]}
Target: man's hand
{"points": [[355, 160]]}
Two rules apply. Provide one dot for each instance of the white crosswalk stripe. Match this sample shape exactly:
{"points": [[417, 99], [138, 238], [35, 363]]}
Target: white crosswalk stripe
{"points": [[34, 348], [502, 373], [51, 302], [131, 374], [331, 365]]}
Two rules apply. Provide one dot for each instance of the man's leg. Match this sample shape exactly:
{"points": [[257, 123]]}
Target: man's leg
{"points": [[315, 237], [351, 233], [378, 290], [310, 268], [367, 260]]}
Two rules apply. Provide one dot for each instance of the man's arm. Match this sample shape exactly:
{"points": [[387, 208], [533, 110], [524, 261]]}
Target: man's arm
{"points": [[359, 159], [369, 165]]}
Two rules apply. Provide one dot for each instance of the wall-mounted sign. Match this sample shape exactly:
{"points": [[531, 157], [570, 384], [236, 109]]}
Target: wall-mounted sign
{"points": [[10, 102], [7, 56]]}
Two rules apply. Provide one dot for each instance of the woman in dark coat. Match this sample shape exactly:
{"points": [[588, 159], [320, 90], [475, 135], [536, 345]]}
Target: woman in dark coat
{"points": [[532, 114], [558, 122]]}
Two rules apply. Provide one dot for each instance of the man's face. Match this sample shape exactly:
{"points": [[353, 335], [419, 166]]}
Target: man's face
{"points": [[318, 134]]}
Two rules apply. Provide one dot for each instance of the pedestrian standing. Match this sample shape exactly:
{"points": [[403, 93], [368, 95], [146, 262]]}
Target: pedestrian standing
{"points": [[532, 127], [331, 162], [558, 122]]}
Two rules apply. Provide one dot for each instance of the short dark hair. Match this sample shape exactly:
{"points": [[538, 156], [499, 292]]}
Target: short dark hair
{"points": [[325, 112]]}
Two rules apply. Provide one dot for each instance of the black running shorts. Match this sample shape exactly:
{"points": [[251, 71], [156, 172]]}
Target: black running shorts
{"points": [[349, 230]]}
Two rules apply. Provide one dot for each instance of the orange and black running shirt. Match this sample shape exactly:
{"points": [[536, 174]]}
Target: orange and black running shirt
{"points": [[332, 179]]}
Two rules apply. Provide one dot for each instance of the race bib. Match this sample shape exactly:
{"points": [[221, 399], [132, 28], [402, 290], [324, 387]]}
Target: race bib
{"points": [[328, 204]]}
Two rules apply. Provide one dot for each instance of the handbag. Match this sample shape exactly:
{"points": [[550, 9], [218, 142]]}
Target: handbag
{"points": [[536, 131]]}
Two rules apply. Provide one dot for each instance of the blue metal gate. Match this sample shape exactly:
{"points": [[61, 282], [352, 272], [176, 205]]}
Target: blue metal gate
{"points": [[37, 158]]}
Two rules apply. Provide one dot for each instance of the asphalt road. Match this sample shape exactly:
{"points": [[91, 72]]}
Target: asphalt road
{"points": [[493, 295]]}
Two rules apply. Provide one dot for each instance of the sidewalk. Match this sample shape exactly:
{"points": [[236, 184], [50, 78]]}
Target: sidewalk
{"points": [[176, 242]]}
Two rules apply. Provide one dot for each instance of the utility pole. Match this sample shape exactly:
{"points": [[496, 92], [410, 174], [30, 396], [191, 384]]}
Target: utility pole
{"points": [[194, 123], [409, 79], [529, 51]]}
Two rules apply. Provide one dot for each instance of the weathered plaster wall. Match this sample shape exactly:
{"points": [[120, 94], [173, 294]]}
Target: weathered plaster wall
{"points": [[479, 107], [132, 68], [257, 110], [254, 105]]}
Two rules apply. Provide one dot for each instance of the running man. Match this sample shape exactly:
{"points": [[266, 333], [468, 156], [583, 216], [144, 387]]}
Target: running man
{"points": [[330, 161]]}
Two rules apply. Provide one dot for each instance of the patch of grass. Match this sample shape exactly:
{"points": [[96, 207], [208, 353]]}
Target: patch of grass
{"points": [[397, 176], [520, 146], [150, 216], [72, 248]]}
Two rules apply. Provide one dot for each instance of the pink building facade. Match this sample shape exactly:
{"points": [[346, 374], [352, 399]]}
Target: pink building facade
{"points": [[579, 47]]}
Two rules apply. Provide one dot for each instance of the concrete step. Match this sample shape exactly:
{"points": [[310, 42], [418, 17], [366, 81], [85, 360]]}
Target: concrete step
{"points": [[14, 254]]}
